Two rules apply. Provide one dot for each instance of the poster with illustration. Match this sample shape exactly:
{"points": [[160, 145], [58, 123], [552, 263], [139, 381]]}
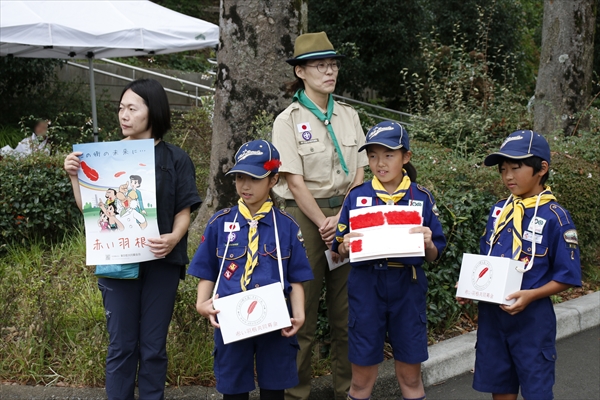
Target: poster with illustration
{"points": [[118, 194]]}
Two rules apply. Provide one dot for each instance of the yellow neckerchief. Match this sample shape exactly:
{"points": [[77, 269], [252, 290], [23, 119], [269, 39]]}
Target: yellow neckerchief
{"points": [[513, 211], [397, 195], [252, 259]]}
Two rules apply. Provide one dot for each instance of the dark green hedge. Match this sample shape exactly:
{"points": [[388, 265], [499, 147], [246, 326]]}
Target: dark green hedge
{"points": [[36, 199]]}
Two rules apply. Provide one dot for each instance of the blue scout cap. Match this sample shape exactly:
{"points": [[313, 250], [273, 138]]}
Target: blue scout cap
{"points": [[389, 134], [257, 158], [520, 145]]}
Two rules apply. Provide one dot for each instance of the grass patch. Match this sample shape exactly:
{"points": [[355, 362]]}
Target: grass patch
{"points": [[53, 324]]}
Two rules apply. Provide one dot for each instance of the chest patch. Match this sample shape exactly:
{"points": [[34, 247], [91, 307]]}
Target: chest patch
{"points": [[497, 211], [305, 131], [231, 226], [416, 203], [537, 224], [362, 201]]}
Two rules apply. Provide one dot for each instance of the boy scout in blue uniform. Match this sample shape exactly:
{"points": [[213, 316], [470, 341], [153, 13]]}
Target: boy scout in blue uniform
{"points": [[516, 343], [251, 262], [389, 295]]}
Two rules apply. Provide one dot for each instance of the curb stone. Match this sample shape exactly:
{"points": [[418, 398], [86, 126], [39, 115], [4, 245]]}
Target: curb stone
{"points": [[447, 359]]}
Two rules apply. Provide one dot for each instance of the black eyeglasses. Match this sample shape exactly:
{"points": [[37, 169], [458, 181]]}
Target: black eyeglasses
{"points": [[322, 67]]}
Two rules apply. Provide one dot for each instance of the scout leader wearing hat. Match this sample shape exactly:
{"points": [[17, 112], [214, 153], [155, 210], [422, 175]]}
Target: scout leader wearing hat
{"points": [[251, 261], [319, 138], [532, 227], [387, 296]]}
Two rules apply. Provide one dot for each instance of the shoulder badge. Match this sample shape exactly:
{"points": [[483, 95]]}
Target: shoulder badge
{"points": [[571, 238], [300, 237]]}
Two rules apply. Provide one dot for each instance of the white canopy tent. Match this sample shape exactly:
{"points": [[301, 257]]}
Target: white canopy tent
{"points": [[98, 29]]}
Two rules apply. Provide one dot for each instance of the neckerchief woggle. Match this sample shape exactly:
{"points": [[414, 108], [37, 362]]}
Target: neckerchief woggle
{"points": [[303, 99], [391, 199]]}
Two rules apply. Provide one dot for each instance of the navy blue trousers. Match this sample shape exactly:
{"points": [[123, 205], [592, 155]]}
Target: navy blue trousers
{"points": [[138, 313]]}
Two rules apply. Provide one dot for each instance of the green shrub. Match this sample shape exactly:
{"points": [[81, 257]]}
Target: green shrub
{"points": [[575, 181], [36, 199], [464, 196]]}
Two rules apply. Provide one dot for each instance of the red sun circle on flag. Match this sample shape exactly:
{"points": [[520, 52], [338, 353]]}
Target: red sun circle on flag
{"points": [[304, 127], [498, 212], [364, 201]]}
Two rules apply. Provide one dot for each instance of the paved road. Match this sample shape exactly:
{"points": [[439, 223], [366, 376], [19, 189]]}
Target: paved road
{"points": [[577, 372], [577, 378]]}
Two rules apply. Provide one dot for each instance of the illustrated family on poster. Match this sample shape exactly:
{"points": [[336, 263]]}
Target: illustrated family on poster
{"points": [[118, 193]]}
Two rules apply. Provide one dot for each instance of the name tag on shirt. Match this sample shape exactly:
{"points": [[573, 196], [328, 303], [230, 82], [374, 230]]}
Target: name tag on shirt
{"points": [[527, 235]]}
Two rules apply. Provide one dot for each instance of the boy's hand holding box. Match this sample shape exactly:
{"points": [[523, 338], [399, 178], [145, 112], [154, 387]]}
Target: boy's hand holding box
{"points": [[384, 232]]}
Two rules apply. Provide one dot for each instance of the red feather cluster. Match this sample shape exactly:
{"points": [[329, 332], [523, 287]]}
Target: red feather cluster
{"points": [[367, 220], [403, 218], [356, 246], [272, 164]]}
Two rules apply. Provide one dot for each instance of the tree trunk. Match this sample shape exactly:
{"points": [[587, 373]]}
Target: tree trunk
{"points": [[564, 81], [256, 37]]}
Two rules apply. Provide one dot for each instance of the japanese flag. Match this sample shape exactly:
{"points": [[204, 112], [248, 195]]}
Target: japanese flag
{"points": [[303, 127], [497, 211], [363, 201], [231, 227]]}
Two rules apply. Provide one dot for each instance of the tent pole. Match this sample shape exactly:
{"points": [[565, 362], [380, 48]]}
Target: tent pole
{"points": [[90, 57]]}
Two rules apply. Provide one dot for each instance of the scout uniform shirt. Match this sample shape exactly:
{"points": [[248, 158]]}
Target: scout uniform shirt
{"points": [[364, 196], [208, 257], [557, 248], [307, 149]]}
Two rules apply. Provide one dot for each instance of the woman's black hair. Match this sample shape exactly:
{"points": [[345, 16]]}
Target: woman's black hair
{"points": [[155, 97], [534, 162], [293, 86]]}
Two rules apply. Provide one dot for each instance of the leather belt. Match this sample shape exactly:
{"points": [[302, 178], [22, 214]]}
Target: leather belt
{"points": [[332, 202], [395, 265]]}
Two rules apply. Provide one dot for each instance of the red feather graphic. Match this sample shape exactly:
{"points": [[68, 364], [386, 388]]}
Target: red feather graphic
{"points": [[482, 273], [251, 308], [89, 172]]}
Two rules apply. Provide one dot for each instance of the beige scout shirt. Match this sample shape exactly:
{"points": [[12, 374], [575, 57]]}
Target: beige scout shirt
{"points": [[306, 149]]}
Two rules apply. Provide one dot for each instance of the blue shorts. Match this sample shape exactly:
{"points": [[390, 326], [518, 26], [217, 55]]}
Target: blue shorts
{"points": [[516, 350], [388, 301], [275, 363]]}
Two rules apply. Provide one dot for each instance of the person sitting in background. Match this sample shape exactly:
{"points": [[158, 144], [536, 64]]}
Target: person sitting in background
{"points": [[37, 142]]}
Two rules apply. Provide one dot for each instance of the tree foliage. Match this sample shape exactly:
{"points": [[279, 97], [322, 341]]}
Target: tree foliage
{"points": [[22, 82], [382, 37]]}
